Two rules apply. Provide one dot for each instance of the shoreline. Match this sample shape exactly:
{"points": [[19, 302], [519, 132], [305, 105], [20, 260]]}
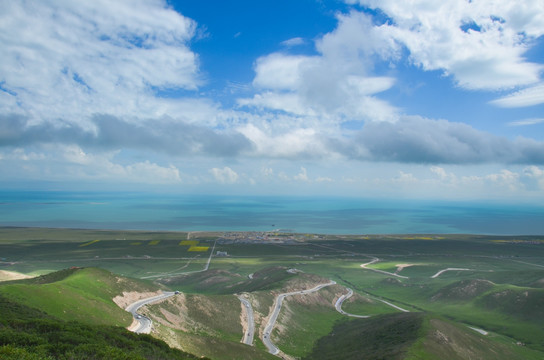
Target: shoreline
{"points": [[278, 232]]}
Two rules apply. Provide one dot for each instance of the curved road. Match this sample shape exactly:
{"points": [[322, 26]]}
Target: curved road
{"points": [[375, 260], [145, 323], [448, 269], [274, 316], [250, 331], [340, 301]]}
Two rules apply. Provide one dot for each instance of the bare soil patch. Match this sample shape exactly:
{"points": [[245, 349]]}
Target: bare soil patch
{"points": [[6, 275], [129, 297]]}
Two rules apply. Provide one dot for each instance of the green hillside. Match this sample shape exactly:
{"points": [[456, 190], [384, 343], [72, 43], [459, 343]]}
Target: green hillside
{"points": [[464, 290], [29, 334], [77, 294], [225, 282], [523, 303], [410, 336]]}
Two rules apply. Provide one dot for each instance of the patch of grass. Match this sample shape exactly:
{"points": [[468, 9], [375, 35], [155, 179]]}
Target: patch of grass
{"points": [[220, 314], [362, 305], [303, 319], [464, 290], [523, 303], [380, 337], [28, 334], [224, 282], [214, 348], [76, 294], [445, 340]]}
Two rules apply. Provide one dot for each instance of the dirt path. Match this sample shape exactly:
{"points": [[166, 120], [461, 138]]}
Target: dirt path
{"points": [[6, 275], [375, 260], [448, 269]]}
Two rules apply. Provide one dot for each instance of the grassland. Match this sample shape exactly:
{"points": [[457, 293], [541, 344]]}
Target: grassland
{"points": [[500, 289], [29, 334], [83, 295]]}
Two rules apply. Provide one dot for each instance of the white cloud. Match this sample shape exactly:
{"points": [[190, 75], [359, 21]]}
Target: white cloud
{"points": [[323, 179], [526, 122], [480, 43], [283, 176], [504, 177], [293, 42], [414, 139], [334, 86], [302, 175], [279, 71], [267, 172], [405, 178], [526, 97], [533, 178], [20, 154], [294, 143], [225, 175], [102, 166], [152, 173], [288, 102], [56, 162], [70, 59], [443, 175]]}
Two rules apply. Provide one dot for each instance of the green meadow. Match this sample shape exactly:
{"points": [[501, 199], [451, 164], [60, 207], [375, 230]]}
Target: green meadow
{"points": [[455, 282]]}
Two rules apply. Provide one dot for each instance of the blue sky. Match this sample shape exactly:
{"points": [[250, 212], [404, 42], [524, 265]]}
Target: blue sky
{"points": [[420, 99]]}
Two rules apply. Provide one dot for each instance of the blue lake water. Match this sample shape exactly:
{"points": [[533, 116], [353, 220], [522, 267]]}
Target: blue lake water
{"points": [[300, 214]]}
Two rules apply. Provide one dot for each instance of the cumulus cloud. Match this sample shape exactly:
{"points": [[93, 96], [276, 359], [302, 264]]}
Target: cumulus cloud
{"points": [[419, 140], [84, 83], [102, 166], [164, 135], [533, 178], [225, 175], [58, 162], [292, 144], [302, 175], [480, 43], [70, 60], [411, 139], [334, 86]]}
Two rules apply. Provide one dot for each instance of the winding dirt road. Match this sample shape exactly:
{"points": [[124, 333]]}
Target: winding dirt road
{"points": [[375, 260], [448, 269]]}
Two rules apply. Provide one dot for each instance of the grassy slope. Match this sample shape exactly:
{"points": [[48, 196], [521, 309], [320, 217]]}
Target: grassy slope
{"points": [[413, 336], [28, 334], [446, 340], [76, 294], [217, 281], [511, 310], [302, 325], [214, 348], [380, 337]]}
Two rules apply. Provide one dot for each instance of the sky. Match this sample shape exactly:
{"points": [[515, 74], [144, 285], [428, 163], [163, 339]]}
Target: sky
{"points": [[396, 99]]}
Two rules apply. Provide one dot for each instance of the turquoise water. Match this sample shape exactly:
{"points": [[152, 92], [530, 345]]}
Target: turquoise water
{"points": [[300, 214]]}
